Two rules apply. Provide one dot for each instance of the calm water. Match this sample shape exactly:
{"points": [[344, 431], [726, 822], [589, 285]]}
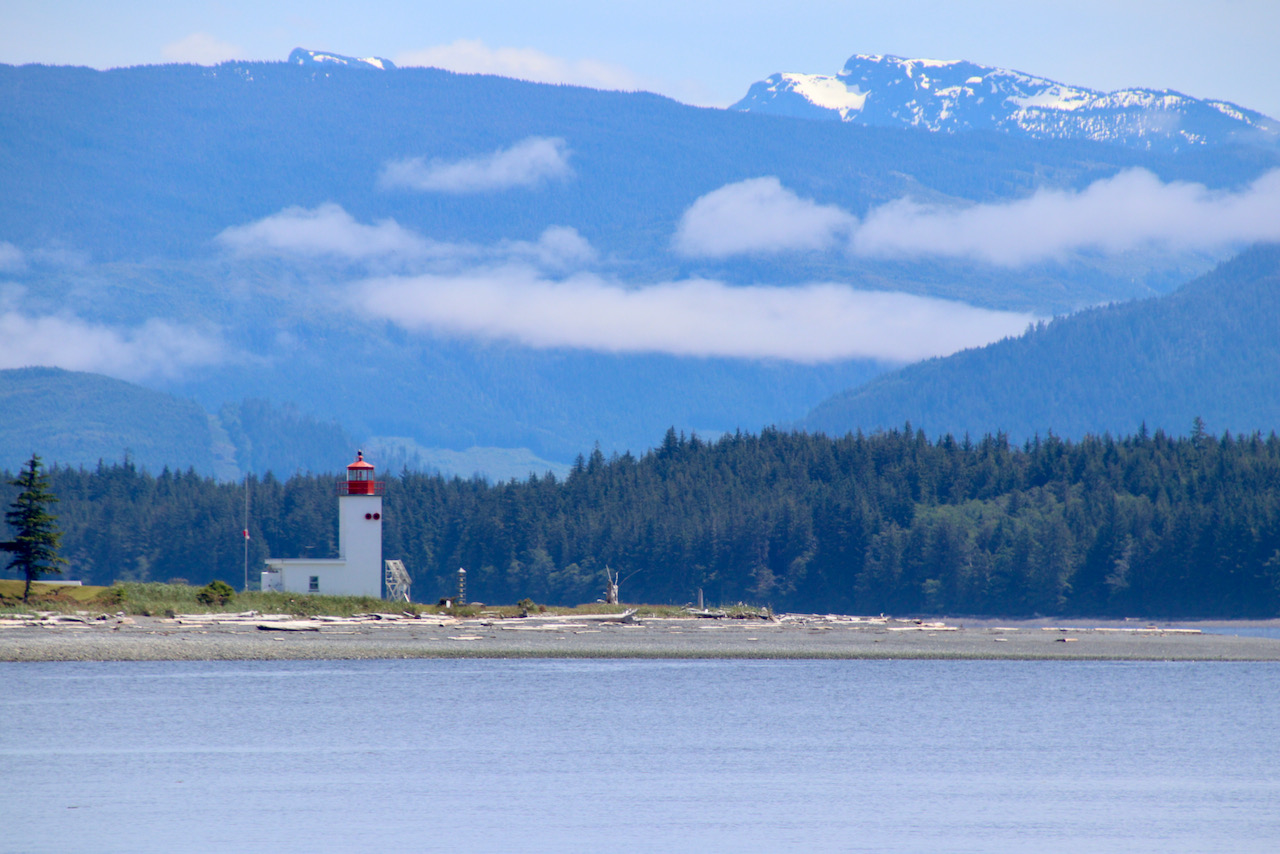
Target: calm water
{"points": [[1272, 632], [584, 756]]}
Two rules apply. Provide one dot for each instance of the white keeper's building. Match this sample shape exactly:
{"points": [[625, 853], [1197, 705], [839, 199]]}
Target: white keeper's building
{"points": [[357, 570]]}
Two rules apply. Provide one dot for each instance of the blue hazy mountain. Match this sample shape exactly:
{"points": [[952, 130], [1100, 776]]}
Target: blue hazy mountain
{"points": [[80, 419], [135, 163], [1210, 350], [952, 97], [118, 184]]}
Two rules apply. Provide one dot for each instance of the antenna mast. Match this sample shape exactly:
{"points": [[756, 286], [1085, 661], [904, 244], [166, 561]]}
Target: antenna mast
{"points": [[246, 532]]}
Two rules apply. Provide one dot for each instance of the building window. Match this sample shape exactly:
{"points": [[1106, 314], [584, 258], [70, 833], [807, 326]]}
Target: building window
{"points": [[315, 584]]}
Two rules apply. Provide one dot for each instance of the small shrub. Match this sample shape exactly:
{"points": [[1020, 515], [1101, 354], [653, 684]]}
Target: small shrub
{"points": [[114, 595], [215, 593]]}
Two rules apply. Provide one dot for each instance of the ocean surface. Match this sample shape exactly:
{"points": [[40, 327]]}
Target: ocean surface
{"points": [[1272, 632], [649, 756]]}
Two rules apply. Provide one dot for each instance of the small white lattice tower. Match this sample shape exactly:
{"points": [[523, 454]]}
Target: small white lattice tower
{"points": [[397, 581]]}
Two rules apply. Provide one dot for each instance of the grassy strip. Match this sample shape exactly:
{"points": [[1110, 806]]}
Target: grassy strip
{"points": [[156, 599], [63, 595]]}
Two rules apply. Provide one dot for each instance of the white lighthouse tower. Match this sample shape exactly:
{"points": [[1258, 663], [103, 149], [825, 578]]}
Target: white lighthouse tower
{"points": [[357, 571], [360, 526]]}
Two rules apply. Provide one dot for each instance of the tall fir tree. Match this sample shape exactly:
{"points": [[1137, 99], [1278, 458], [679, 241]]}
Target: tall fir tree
{"points": [[36, 536]]}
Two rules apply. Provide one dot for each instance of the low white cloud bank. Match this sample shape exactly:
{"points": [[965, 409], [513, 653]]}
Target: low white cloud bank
{"points": [[759, 216], [200, 49], [325, 231], [526, 164], [698, 317], [471, 56], [155, 349], [329, 232], [559, 248], [533, 292], [1131, 210]]}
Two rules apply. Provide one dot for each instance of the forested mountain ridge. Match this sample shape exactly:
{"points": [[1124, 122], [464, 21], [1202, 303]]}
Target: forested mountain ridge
{"points": [[78, 418], [157, 160], [75, 419], [122, 186], [1209, 350], [1147, 525]]}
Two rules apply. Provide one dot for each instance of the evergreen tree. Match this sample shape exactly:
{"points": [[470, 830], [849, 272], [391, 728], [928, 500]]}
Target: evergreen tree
{"points": [[35, 546]]}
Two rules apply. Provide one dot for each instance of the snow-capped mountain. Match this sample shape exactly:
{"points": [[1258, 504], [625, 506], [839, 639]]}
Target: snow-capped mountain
{"points": [[302, 56], [957, 96]]}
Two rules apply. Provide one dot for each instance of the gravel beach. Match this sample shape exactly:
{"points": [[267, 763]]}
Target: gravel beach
{"points": [[274, 637]]}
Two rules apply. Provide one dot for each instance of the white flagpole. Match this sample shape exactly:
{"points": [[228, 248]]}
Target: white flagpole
{"points": [[246, 532]]}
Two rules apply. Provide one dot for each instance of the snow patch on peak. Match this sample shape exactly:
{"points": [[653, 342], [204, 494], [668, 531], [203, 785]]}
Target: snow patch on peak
{"points": [[1228, 110], [936, 63], [302, 56], [1056, 97], [827, 92], [951, 96]]}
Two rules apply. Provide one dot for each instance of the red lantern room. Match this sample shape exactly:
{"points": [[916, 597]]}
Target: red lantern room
{"points": [[360, 479]]}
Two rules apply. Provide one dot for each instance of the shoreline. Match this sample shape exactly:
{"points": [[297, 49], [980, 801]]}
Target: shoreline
{"points": [[253, 637]]}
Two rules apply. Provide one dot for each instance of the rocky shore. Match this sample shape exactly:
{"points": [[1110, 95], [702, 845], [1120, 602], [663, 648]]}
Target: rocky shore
{"points": [[252, 636]]}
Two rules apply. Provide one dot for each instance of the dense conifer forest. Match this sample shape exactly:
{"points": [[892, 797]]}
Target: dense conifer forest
{"points": [[1147, 525]]}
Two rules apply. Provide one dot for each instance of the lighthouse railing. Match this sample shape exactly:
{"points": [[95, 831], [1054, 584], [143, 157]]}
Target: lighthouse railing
{"points": [[361, 487]]}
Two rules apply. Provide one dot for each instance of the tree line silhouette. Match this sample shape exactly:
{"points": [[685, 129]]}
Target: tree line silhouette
{"points": [[893, 522]]}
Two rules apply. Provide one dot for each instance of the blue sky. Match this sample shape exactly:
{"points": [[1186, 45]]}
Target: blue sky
{"points": [[698, 52]]}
